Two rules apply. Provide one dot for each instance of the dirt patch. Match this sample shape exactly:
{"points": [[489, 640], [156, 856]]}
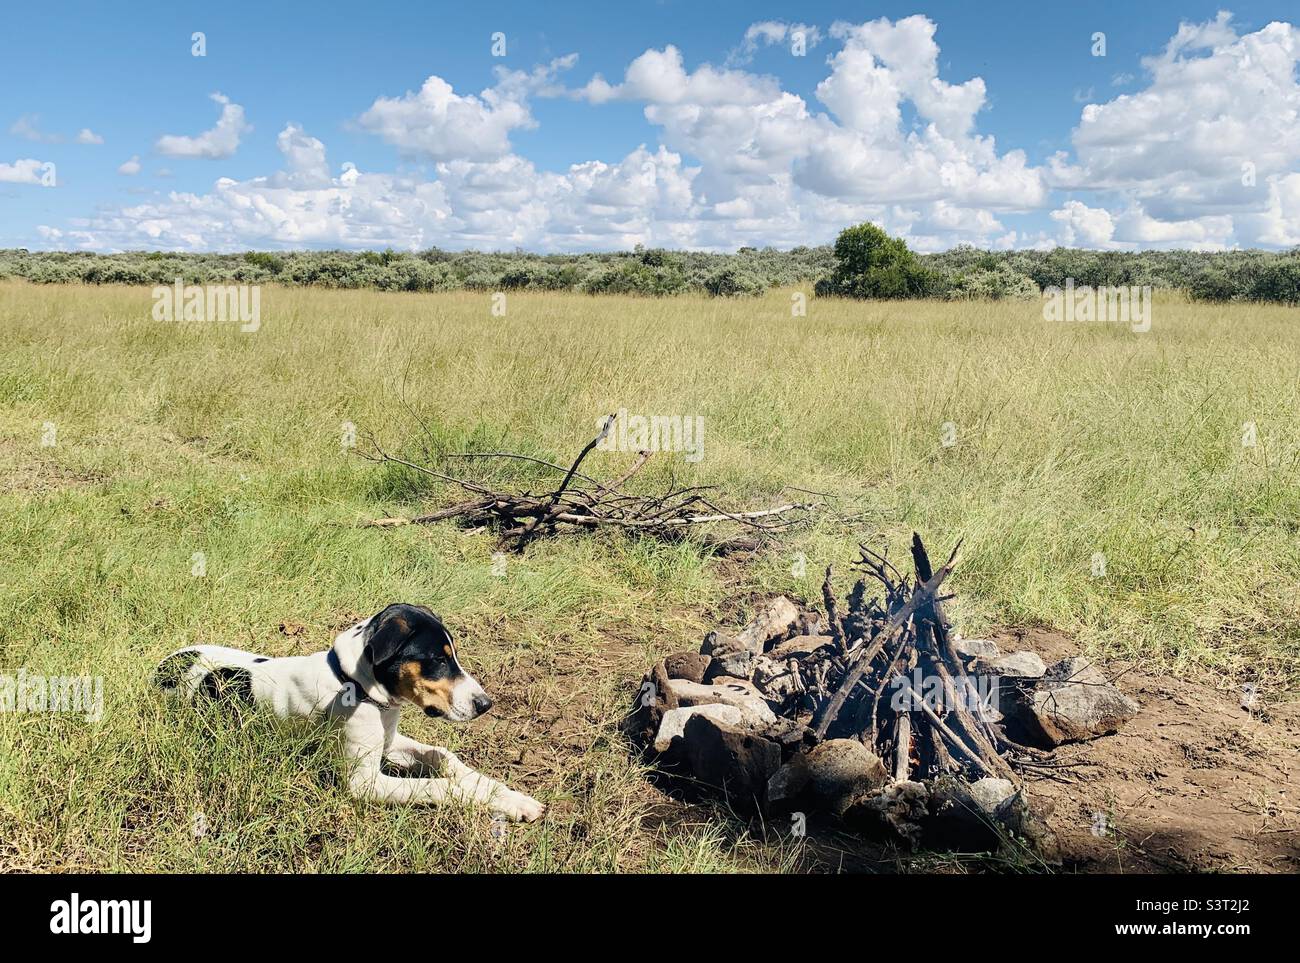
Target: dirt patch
{"points": [[21, 472], [1196, 782]]}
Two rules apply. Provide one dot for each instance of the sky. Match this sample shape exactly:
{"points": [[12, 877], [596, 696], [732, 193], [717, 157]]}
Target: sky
{"points": [[569, 127]]}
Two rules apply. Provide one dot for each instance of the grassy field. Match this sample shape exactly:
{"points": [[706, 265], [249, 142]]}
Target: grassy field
{"points": [[172, 439]]}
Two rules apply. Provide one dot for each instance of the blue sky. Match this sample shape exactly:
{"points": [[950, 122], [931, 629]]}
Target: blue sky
{"points": [[946, 122]]}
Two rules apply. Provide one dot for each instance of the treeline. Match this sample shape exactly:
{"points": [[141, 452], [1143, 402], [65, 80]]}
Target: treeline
{"points": [[847, 269]]}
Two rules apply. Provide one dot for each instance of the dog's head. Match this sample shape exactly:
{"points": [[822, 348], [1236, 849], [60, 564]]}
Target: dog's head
{"points": [[412, 655]]}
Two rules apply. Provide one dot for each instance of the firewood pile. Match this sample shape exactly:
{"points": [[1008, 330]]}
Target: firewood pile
{"points": [[875, 712], [582, 503]]}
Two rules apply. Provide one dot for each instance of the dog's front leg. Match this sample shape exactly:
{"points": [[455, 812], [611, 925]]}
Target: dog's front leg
{"points": [[370, 783], [424, 760], [420, 757]]}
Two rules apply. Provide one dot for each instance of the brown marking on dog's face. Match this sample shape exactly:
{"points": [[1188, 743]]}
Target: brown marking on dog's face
{"points": [[427, 693]]}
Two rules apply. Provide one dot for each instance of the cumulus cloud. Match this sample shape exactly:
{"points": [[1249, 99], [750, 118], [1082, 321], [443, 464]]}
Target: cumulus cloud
{"points": [[1205, 152], [742, 160], [769, 33], [88, 136], [438, 124], [219, 142], [1084, 226], [645, 198], [130, 167], [768, 160], [27, 171]]}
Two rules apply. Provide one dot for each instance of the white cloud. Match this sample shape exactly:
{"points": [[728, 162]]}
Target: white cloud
{"points": [[767, 160], [645, 198], [438, 124], [769, 33], [1084, 226], [1179, 155], [219, 142], [659, 77], [27, 127], [130, 167], [26, 171], [741, 160]]}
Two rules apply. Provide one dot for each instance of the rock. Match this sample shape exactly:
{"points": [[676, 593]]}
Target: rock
{"points": [[1015, 814], [687, 665], [731, 661], [793, 735], [810, 623], [990, 792], [715, 640], [789, 781], [732, 692], [842, 770], [969, 649], [652, 699], [961, 818], [1078, 669], [773, 622], [983, 816], [673, 724], [799, 646], [738, 761], [778, 681], [1016, 665], [902, 807], [1072, 702]]}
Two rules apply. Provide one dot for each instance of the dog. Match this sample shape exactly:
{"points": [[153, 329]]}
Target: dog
{"points": [[404, 654]]}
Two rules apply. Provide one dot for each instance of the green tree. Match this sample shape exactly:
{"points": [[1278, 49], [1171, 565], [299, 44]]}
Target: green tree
{"points": [[871, 264]]}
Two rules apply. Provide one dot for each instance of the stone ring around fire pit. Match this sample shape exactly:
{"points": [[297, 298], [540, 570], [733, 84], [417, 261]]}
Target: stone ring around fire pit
{"points": [[880, 718]]}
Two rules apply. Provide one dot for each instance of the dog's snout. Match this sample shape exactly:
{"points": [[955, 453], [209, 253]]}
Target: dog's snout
{"points": [[482, 703]]}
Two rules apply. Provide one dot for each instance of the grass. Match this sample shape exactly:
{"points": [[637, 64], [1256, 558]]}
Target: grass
{"points": [[172, 440]]}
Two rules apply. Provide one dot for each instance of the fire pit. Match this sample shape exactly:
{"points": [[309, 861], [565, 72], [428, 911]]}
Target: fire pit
{"points": [[874, 712]]}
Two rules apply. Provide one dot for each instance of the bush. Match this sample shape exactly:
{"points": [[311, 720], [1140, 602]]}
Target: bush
{"points": [[266, 261], [1278, 282], [732, 282], [871, 264], [865, 262], [993, 284], [637, 277], [1212, 284]]}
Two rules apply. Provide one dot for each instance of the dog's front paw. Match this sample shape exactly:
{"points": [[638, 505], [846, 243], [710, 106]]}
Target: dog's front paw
{"points": [[518, 806]]}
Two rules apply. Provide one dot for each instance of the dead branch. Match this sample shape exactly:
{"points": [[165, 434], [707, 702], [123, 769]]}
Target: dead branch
{"points": [[583, 502]]}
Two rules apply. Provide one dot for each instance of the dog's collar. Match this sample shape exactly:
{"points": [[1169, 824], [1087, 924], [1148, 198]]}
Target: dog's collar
{"points": [[332, 659]]}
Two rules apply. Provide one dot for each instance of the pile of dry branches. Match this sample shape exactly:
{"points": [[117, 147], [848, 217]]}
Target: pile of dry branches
{"points": [[881, 645], [582, 502]]}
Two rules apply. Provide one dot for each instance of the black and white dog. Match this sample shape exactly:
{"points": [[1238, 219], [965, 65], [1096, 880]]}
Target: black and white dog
{"points": [[403, 654]]}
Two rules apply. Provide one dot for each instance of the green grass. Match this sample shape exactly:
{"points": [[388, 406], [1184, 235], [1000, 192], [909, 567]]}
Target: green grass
{"points": [[181, 439]]}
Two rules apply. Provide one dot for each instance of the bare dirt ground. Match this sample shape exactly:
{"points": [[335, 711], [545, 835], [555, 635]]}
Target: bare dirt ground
{"points": [[1196, 783]]}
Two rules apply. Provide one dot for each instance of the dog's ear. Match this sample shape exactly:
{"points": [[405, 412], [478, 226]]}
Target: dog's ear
{"points": [[385, 636]]}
